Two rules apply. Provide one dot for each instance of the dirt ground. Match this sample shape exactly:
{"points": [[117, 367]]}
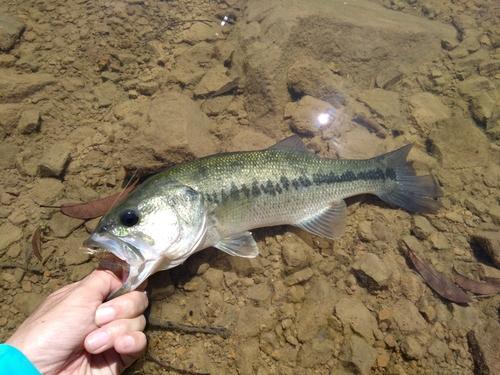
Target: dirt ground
{"points": [[92, 92]]}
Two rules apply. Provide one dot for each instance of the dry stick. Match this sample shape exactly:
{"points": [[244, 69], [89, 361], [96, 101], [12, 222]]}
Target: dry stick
{"points": [[180, 22], [19, 265], [361, 119], [177, 22], [224, 89], [170, 368], [168, 325]]}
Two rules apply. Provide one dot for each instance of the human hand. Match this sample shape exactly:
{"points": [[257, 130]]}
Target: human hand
{"points": [[74, 332]]}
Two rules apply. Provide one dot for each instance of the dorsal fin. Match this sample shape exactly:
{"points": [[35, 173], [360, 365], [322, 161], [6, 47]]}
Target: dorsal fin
{"points": [[292, 143]]}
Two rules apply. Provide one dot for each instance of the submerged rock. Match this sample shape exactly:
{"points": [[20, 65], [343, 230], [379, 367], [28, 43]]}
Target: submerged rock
{"points": [[62, 226], [407, 317], [469, 145], [55, 159], [10, 29], [317, 352], [358, 354], [10, 115], [312, 316], [490, 243], [9, 153], [412, 348], [46, 191], [29, 121], [276, 34], [8, 235], [314, 78], [372, 271], [353, 314], [483, 341], [309, 115], [15, 87], [175, 130], [427, 109], [385, 104], [482, 96], [422, 228]]}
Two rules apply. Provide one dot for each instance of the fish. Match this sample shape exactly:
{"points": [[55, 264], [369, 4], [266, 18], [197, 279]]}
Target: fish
{"points": [[216, 200]]}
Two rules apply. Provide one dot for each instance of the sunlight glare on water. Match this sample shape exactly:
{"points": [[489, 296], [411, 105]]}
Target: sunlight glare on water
{"points": [[324, 119]]}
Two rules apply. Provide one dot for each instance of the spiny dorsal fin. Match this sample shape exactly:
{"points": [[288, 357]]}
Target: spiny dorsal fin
{"points": [[292, 143]]}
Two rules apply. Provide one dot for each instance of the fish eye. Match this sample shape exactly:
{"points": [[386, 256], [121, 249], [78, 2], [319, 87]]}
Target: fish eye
{"points": [[129, 218]]}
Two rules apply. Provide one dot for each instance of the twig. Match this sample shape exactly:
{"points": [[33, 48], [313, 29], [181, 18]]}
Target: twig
{"points": [[170, 368], [168, 325], [19, 265], [172, 23], [361, 119]]}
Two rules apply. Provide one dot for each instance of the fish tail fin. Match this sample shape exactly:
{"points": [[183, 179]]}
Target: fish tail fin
{"points": [[411, 192]]}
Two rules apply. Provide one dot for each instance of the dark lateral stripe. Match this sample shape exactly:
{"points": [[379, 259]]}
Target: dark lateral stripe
{"points": [[255, 189], [349, 176], [390, 174], [245, 191], [285, 184], [235, 194], [268, 188]]}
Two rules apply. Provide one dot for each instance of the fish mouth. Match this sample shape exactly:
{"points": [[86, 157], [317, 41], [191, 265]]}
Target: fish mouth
{"points": [[137, 268], [98, 244]]}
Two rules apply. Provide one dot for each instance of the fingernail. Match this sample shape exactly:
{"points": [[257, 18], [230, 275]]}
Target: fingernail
{"points": [[104, 315], [128, 341], [98, 340]]}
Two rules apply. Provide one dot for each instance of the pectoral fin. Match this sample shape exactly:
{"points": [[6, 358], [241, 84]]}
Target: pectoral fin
{"points": [[329, 223], [239, 245]]}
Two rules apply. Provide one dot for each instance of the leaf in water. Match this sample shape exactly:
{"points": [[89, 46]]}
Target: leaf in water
{"points": [[493, 281], [36, 243], [474, 286], [438, 281], [93, 209]]}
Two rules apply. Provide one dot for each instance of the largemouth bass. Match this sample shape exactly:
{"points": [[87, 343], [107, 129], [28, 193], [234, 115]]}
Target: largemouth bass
{"points": [[216, 200]]}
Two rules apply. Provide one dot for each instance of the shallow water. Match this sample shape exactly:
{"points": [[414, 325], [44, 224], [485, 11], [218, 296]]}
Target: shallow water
{"points": [[94, 91]]}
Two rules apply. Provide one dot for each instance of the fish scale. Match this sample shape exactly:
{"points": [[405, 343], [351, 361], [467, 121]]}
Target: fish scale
{"points": [[216, 200]]}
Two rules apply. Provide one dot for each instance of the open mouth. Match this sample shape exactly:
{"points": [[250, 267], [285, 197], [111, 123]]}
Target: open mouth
{"points": [[105, 243], [112, 263]]}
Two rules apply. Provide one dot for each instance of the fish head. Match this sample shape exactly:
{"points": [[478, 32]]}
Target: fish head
{"points": [[155, 228]]}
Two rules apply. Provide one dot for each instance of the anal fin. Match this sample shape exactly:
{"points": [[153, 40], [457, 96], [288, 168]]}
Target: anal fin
{"points": [[240, 245], [329, 223]]}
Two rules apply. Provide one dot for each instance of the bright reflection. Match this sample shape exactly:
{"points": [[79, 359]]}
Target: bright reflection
{"points": [[324, 119], [224, 20]]}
